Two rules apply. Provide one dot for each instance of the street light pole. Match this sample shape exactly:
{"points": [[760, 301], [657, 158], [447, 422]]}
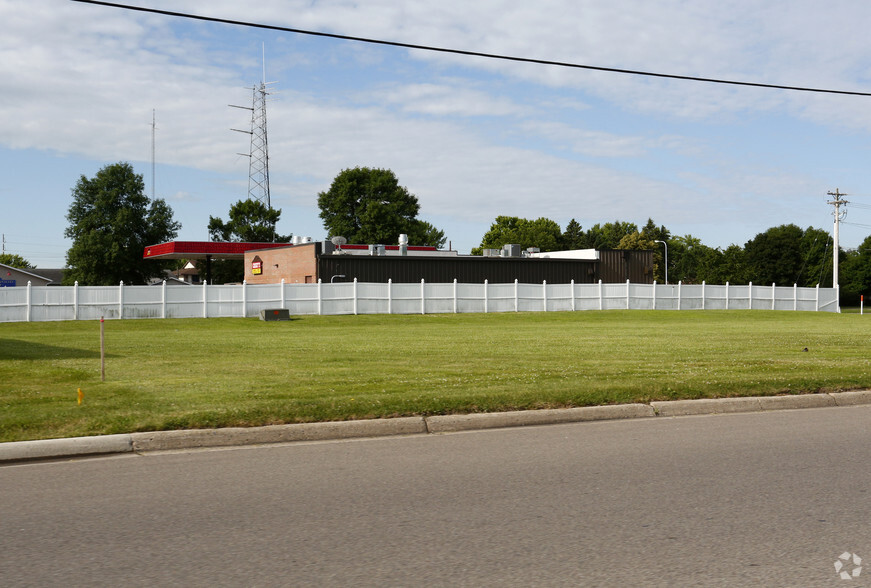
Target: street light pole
{"points": [[666, 259]]}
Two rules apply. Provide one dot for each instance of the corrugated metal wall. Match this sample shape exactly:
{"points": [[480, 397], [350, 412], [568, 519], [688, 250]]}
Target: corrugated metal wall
{"points": [[619, 265], [615, 266]]}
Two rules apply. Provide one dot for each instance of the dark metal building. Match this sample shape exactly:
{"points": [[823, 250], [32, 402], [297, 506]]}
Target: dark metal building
{"points": [[613, 266]]}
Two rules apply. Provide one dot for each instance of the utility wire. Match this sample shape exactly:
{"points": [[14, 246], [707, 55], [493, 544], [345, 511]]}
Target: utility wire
{"points": [[470, 53]]}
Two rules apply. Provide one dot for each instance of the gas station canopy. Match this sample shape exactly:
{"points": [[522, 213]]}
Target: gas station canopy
{"points": [[204, 250]]}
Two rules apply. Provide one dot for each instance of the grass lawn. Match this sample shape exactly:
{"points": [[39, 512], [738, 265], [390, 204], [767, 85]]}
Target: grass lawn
{"points": [[170, 374]]}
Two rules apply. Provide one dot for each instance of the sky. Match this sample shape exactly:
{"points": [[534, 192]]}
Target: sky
{"points": [[84, 86]]}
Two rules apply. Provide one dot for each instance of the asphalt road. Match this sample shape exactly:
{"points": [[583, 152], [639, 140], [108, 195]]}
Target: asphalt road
{"points": [[761, 499]]}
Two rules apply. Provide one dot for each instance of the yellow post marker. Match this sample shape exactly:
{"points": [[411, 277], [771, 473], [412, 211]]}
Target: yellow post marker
{"points": [[81, 395]]}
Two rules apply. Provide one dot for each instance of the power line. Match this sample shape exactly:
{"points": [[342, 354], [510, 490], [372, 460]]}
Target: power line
{"points": [[470, 53]]}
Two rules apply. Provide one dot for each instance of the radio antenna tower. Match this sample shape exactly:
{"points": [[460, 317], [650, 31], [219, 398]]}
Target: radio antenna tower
{"points": [[258, 156]]}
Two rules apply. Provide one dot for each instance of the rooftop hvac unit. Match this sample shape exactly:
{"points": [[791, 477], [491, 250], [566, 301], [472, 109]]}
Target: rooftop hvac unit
{"points": [[511, 250]]}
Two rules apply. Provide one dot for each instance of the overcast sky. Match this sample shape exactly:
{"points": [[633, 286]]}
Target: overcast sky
{"points": [[472, 138]]}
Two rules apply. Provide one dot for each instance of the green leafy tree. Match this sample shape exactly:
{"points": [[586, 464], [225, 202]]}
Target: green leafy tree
{"points": [[660, 233], [542, 233], [423, 233], [111, 222], [787, 255], [573, 236], [367, 205], [14, 260], [608, 236], [854, 273], [654, 233], [719, 266], [636, 240], [250, 221], [691, 261]]}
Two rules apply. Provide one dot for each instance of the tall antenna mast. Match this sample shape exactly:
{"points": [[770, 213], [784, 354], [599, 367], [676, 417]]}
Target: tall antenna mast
{"points": [[258, 156], [153, 128]]}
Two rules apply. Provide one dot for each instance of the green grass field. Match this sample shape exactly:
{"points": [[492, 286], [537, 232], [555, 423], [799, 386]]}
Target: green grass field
{"points": [[170, 374]]}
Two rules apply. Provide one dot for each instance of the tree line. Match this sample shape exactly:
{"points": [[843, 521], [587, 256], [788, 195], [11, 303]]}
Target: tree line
{"points": [[111, 221], [784, 255]]}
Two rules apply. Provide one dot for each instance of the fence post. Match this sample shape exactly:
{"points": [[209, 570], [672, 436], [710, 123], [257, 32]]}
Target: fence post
{"points": [[163, 300], [628, 305], [205, 299], [320, 296], [679, 293], [121, 300], [76, 300], [355, 295], [795, 296], [485, 297], [244, 297], [390, 295], [773, 290], [573, 294], [422, 296], [516, 295], [600, 294], [818, 298], [654, 295], [727, 295], [750, 296], [544, 294], [29, 301], [283, 299], [703, 295], [455, 295]]}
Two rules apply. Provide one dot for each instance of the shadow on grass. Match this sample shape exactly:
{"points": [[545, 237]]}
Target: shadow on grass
{"points": [[16, 349]]}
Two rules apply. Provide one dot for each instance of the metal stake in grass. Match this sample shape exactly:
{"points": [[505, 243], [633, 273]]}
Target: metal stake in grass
{"points": [[102, 351]]}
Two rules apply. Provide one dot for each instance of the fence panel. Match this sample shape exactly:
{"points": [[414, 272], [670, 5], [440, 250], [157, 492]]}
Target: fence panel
{"points": [[50, 303]]}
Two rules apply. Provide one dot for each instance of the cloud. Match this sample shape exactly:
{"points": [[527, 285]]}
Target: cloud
{"points": [[472, 137]]}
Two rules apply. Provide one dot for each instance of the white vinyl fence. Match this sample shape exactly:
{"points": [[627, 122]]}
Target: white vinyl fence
{"points": [[58, 303]]}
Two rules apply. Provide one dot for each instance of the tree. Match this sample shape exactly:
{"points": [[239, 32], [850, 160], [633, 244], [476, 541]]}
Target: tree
{"points": [[250, 221], [423, 233], [788, 255], [636, 240], [111, 222], [608, 236], [573, 236], [542, 233], [690, 261], [854, 273], [367, 205], [14, 260]]}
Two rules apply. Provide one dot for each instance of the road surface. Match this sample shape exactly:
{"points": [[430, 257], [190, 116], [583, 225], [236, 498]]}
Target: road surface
{"points": [[761, 499]]}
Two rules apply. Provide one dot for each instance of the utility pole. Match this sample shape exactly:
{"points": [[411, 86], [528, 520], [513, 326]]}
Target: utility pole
{"points": [[839, 216]]}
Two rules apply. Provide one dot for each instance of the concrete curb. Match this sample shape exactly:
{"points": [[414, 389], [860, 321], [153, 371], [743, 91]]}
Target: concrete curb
{"points": [[493, 420], [163, 440], [72, 447], [237, 436]]}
